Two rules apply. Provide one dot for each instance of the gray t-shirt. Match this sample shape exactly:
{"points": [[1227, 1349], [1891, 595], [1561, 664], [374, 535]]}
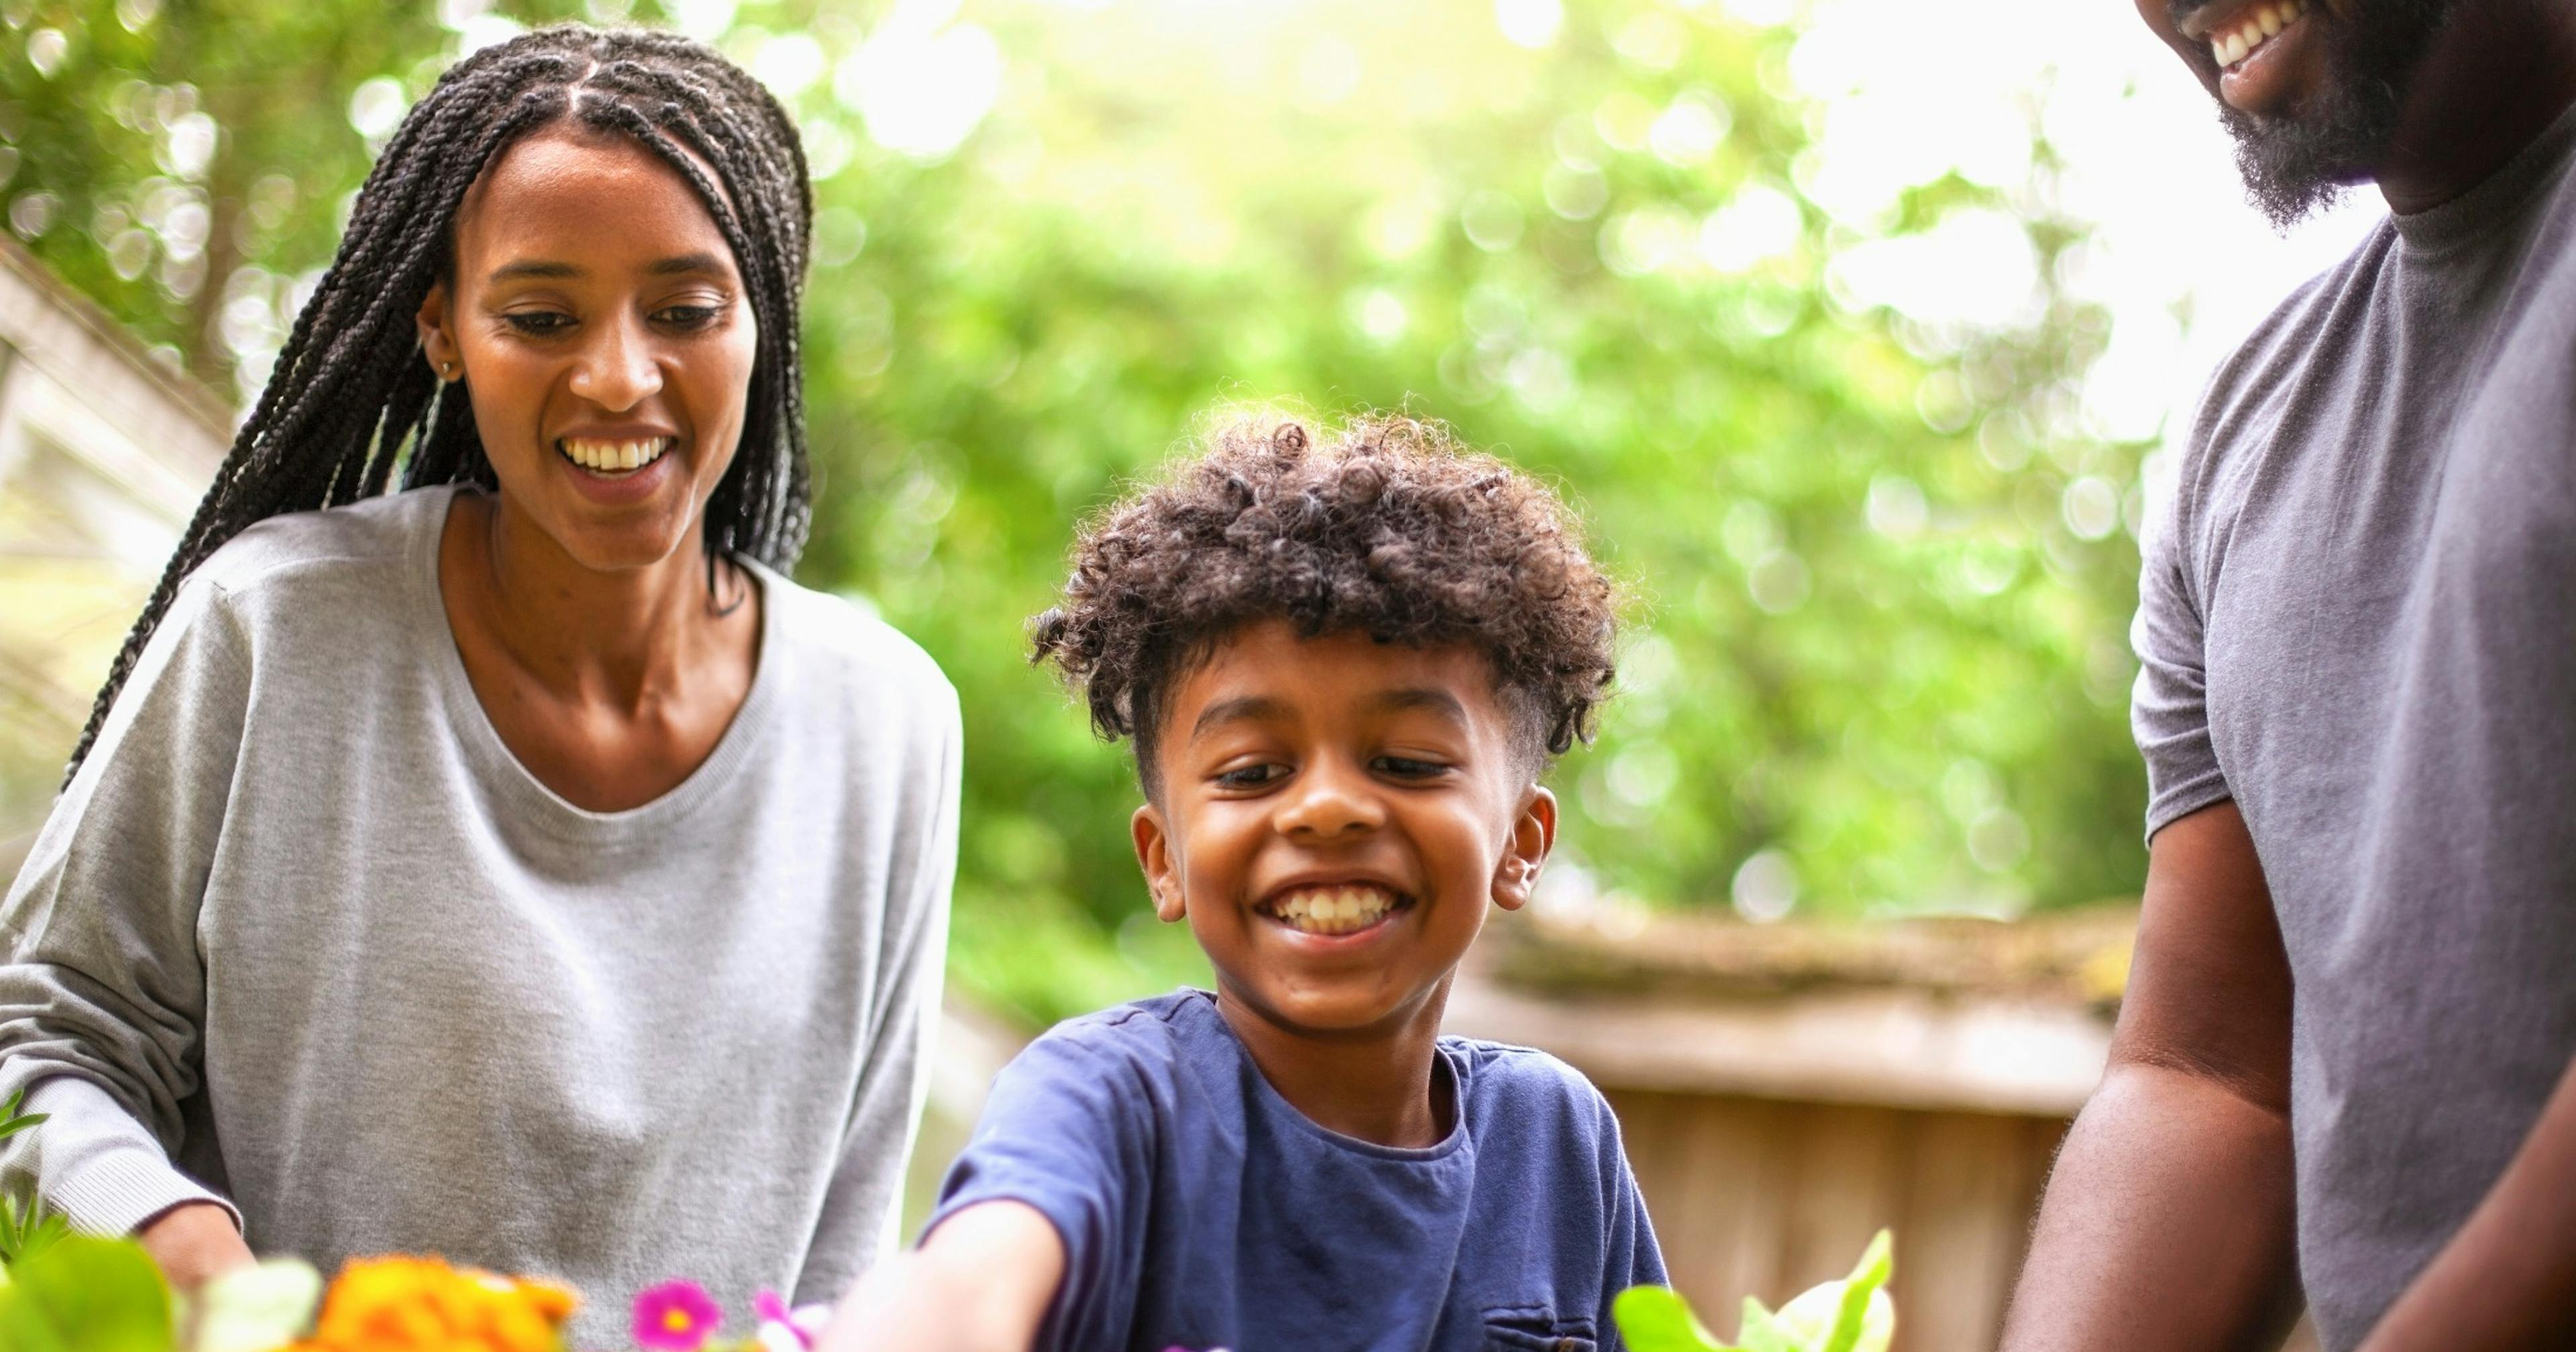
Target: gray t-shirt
{"points": [[303, 924], [2359, 622]]}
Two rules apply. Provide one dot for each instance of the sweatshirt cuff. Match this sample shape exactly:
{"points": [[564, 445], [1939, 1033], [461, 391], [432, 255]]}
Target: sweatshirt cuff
{"points": [[115, 1193], [99, 1167]]}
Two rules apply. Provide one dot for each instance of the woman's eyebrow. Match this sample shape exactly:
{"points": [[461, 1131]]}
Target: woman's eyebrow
{"points": [[690, 262], [673, 266], [529, 267]]}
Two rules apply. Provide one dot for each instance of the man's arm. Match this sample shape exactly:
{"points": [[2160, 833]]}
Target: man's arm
{"points": [[981, 1282], [2507, 1280], [2167, 1224]]}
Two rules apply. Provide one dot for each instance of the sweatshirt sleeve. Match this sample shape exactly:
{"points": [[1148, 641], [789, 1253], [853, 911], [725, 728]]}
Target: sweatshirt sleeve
{"points": [[102, 983], [862, 1209]]}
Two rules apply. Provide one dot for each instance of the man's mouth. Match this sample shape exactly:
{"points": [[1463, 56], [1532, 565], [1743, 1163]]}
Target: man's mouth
{"points": [[612, 458], [2244, 33], [1341, 908]]}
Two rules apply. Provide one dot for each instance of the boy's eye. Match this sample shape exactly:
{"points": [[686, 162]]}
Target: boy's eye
{"points": [[538, 323], [1250, 776], [1407, 767]]}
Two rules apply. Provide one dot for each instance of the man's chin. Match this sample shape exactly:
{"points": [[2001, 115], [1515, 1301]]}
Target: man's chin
{"points": [[2301, 160], [2293, 167]]}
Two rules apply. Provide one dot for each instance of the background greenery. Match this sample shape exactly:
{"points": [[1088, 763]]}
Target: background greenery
{"points": [[1883, 569]]}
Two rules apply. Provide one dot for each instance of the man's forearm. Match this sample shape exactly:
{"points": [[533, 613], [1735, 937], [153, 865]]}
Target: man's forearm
{"points": [[2507, 1280], [2167, 1226]]}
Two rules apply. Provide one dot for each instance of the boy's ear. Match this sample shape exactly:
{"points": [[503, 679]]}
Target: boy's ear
{"points": [[438, 335], [1533, 835], [1154, 855]]}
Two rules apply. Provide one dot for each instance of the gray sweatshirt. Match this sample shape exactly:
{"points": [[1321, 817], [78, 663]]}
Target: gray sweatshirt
{"points": [[303, 937]]}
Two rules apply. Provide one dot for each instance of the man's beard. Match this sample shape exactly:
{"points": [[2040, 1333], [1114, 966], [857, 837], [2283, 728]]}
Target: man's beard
{"points": [[2295, 164]]}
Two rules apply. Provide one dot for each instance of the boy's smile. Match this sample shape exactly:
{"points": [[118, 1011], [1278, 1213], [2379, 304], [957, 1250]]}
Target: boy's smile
{"points": [[1334, 816]]}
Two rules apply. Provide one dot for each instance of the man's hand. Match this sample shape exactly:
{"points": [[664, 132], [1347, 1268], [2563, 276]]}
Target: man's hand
{"points": [[194, 1242], [2168, 1223], [981, 1282]]}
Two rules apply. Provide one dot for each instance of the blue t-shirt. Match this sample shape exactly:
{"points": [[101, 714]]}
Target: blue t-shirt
{"points": [[1199, 1210]]}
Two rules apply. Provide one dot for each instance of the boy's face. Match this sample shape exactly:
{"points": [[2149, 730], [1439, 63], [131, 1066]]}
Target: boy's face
{"points": [[1335, 815]]}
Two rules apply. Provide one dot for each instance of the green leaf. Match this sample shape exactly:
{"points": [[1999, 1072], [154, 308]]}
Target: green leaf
{"points": [[14, 1125], [1657, 1319], [1877, 1265], [256, 1309], [81, 1294], [1763, 1331]]}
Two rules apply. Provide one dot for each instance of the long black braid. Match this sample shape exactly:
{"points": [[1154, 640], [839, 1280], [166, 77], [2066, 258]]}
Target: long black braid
{"points": [[350, 392]]}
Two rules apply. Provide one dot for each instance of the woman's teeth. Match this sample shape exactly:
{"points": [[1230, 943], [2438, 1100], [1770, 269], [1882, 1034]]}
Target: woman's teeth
{"points": [[1333, 910], [2253, 28], [612, 457]]}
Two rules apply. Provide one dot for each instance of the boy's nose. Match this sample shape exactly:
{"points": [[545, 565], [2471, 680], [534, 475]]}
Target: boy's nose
{"points": [[1330, 801]]}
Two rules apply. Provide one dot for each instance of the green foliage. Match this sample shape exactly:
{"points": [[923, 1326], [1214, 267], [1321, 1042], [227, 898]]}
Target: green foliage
{"points": [[86, 1295], [1877, 649], [1851, 1315], [26, 1224]]}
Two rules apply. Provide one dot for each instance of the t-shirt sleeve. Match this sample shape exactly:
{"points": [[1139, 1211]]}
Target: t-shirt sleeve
{"points": [[1631, 1257], [1070, 1130], [2169, 706]]}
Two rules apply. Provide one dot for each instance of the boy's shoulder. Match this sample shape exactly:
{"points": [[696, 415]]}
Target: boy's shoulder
{"points": [[1148, 1035], [1522, 1076]]}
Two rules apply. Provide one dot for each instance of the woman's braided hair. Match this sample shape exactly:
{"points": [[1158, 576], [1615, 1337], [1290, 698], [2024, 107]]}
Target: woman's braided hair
{"points": [[350, 392], [1387, 527]]}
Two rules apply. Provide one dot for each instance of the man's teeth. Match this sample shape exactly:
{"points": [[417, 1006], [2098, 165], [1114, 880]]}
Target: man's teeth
{"points": [[2253, 28], [613, 457], [1334, 910]]}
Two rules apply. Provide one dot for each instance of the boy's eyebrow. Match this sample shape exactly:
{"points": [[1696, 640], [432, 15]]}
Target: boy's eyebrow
{"points": [[1246, 709], [1429, 699]]}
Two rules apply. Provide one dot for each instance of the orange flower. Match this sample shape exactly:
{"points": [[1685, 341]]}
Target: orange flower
{"points": [[423, 1305]]}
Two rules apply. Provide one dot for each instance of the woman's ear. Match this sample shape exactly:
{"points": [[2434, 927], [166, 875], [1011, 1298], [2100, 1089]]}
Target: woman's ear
{"points": [[1154, 855], [1533, 835], [438, 335]]}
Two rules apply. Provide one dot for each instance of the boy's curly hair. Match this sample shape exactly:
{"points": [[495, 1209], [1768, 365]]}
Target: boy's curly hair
{"points": [[1389, 527]]}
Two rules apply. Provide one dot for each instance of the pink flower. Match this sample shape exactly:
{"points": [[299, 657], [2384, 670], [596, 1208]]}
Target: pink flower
{"points": [[772, 1312], [676, 1316]]}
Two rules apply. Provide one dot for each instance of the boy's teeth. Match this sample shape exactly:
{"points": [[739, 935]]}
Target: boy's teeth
{"points": [[2253, 28], [613, 457], [1334, 910]]}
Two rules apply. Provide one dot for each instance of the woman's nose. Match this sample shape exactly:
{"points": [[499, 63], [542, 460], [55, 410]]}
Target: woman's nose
{"points": [[616, 369]]}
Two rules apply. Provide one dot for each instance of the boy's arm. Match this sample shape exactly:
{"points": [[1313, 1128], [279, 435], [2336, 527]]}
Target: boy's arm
{"points": [[2168, 1223], [981, 1282]]}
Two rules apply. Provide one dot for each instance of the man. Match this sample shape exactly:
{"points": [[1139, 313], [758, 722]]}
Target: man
{"points": [[2344, 1056]]}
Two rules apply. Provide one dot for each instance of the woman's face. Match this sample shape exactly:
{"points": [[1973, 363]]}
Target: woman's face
{"points": [[604, 335]]}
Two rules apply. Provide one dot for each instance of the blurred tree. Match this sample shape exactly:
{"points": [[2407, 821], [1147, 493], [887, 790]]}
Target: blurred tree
{"points": [[1882, 567]]}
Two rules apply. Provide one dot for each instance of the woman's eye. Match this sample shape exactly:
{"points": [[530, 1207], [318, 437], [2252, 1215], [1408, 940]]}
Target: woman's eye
{"points": [[538, 323], [1406, 767], [1251, 776], [686, 317]]}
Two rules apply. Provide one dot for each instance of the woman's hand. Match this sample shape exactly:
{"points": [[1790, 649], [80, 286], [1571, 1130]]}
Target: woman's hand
{"points": [[194, 1242]]}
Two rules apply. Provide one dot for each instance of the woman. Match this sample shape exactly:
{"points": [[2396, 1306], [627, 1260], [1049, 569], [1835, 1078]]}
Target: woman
{"points": [[516, 867]]}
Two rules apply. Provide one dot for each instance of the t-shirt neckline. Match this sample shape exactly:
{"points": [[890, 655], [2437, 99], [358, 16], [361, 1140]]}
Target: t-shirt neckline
{"points": [[2496, 200], [509, 779], [1442, 1063]]}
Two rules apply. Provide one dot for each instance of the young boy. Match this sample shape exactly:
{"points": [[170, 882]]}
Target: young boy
{"points": [[1344, 667]]}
